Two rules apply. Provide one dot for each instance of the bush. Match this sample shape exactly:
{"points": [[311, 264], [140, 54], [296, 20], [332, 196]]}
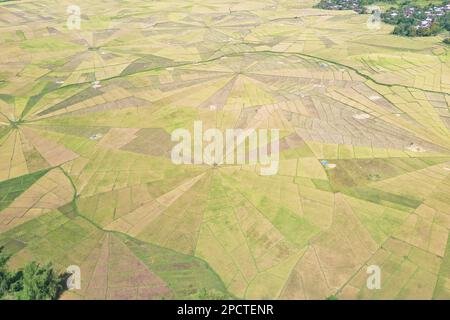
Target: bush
{"points": [[40, 283], [5, 276], [212, 294], [34, 282]]}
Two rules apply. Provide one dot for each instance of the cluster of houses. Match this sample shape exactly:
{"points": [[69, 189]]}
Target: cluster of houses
{"points": [[423, 17], [341, 5], [417, 17]]}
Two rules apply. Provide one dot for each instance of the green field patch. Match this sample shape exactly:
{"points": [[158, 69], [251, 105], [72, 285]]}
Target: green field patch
{"points": [[47, 44], [69, 233], [4, 130], [442, 290], [34, 160], [167, 118], [186, 275], [293, 227], [7, 98], [31, 231], [83, 95], [392, 200], [13, 246], [145, 63], [56, 235], [80, 131], [12, 188], [381, 222], [359, 172], [20, 35], [33, 100], [323, 185], [69, 210]]}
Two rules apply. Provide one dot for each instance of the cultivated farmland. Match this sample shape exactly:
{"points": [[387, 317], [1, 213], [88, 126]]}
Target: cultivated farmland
{"points": [[86, 176]]}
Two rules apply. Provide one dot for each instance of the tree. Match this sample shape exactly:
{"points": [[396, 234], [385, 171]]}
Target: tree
{"points": [[211, 294], [10, 282], [40, 282], [435, 29], [33, 282], [446, 21], [4, 274]]}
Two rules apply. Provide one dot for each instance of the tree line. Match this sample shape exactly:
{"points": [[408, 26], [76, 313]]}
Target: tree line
{"points": [[32, 282]]}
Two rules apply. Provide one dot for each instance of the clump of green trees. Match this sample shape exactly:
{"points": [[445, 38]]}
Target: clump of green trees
{"points": [[416, 21], [408, 29], [33, 282], [410, 20], [211, 295], [410, 25], [355, 5]]}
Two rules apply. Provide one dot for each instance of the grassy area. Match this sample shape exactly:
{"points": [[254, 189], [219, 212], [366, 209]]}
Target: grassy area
{"points": [[12, 188], [364, 150]]}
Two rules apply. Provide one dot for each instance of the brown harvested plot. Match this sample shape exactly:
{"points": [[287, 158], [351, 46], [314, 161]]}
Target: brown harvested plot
{"points": [[178, 227], [51, 191], [124, 103], [333, 256], [307, 280], [52, 152], [407, 272], [219, 99], [118, 137], [34, 159], [151, 141], [12, 160], [113, 272], [137, 220]]}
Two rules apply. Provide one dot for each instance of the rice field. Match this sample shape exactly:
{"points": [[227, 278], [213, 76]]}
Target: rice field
{"points": [[86, 177]]}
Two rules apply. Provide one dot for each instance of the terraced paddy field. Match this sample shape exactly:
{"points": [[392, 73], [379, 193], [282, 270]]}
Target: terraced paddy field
{"points": [[86, 177]]}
